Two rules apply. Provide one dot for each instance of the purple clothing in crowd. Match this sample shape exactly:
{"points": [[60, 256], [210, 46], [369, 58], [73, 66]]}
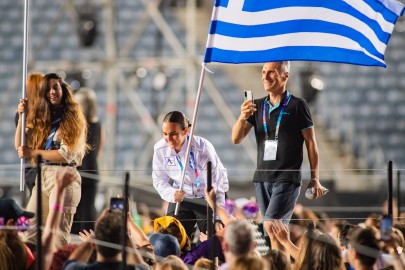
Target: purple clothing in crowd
{"points": [[204, 250]]}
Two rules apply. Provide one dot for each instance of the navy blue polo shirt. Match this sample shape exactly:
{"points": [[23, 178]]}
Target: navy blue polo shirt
{"points": [[295, 119]]}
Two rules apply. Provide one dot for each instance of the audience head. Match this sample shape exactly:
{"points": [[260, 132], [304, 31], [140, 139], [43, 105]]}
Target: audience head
{"points": [[171, 262], [204, 264], [13, 254], [249, 262], [172, 226], [277, 260], [239, 237], [295, 228], [401, 228], [319, 251], [309, 218], [373, 220], [343, 235], [109, 229], [363, 247], [164, 245], [10, 212]]}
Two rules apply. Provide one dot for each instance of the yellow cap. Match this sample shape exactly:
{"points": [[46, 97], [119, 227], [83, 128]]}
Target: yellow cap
{"points": [[165, 221]]}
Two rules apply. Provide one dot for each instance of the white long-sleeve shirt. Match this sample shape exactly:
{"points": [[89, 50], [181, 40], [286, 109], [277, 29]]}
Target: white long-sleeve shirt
{"points": [[166, 167]]}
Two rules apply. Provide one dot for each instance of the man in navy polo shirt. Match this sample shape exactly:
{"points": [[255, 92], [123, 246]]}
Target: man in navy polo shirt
{"points": [[282, 122]]}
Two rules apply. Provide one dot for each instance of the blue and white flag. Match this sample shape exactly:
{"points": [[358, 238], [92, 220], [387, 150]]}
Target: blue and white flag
{"points": [[342, 31]]}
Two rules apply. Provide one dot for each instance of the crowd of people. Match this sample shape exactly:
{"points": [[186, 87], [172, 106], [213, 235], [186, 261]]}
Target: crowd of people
{"points": [[65, 132], [321, 243]]}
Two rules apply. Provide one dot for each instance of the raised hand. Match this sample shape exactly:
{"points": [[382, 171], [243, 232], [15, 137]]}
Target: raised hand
{"points": [[247, 109]]}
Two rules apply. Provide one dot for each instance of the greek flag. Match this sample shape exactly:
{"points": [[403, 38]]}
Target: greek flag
{"points": [[342, 31]]}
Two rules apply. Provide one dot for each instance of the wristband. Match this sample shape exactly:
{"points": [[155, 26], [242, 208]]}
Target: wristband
{"points": [[57, 207]]}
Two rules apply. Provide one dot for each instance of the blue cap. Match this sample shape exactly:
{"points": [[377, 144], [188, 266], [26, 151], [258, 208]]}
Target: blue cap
{"points": [[165, 245]]}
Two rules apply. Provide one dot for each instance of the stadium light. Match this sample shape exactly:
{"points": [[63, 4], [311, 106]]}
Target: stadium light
{"points": [[311, 84], [87, 25]]}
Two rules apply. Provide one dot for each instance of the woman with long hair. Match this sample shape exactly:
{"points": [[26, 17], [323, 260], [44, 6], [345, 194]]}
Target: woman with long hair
{"points": [[33, 84], [319, 251], [13, 253], [169, 162], [56, 129]]}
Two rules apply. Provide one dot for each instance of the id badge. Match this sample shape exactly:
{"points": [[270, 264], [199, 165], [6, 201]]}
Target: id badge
{"points": [[270, 150]]}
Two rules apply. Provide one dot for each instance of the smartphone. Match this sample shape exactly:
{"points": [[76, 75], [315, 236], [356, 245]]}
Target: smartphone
{"points": [[385, 227], [248, 95], [117, 203]]}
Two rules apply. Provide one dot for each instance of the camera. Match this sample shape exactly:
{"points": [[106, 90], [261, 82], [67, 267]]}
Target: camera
{"points": [[117, 204]]}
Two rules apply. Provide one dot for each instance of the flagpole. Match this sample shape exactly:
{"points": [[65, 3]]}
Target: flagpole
{"points": [[196, 105], [24, 90], [193, 124]]}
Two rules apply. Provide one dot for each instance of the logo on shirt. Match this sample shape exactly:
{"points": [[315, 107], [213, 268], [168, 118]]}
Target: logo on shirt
{"points": [[170, 161]]}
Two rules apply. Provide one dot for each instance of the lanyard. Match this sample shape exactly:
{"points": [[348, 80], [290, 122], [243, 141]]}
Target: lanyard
{"points": [[57, 117], [193, 165], [286, 99]]}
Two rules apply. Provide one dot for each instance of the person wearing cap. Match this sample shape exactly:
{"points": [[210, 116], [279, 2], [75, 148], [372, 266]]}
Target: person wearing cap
{"points": [[11, 214], [164, 245], [169, 163], [172, 226], [58, 133]]}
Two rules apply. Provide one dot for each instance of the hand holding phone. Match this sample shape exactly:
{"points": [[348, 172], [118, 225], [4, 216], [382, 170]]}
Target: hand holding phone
{"points": [[248, 95], [385, 228], [117, 204]]}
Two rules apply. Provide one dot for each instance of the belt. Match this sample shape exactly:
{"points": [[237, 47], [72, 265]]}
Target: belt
{"points": [[59, 163]]}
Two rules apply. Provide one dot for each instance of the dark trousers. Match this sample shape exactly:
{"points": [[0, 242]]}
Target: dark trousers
{"points": [[30, 176], [86, 214], [191, 211]]}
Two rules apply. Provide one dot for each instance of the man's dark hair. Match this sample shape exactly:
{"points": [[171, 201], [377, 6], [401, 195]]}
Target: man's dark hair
{"points": [[109, 229], [365, 244], [344, 229]]}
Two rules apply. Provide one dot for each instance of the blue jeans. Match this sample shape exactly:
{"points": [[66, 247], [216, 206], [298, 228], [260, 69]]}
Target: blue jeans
{"points": [[277, 200]]}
